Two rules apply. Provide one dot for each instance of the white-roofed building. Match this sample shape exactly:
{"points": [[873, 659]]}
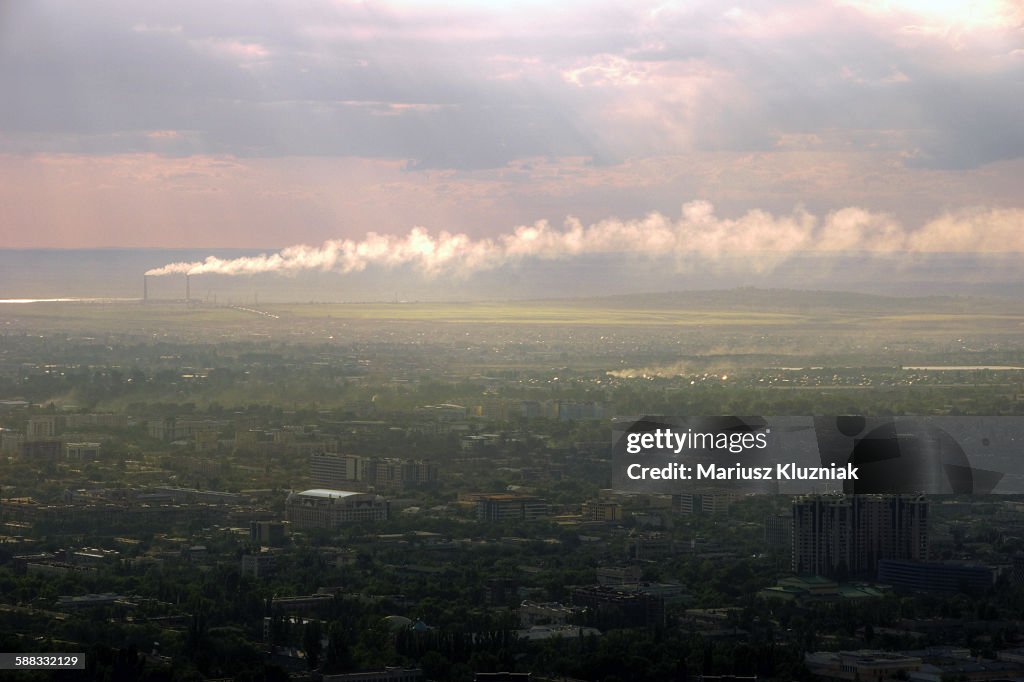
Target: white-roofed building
{"points": [[323, 508]]}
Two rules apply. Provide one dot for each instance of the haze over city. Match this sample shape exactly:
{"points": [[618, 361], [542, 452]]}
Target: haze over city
{"points": [[603, 341]]}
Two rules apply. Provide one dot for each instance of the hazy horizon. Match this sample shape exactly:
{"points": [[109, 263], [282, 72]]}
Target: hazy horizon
{"points": [[118, 273]]}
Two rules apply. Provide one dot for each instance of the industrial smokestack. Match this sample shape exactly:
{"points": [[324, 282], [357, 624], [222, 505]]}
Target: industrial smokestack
{"points": [[188, 287], [145, 288]]}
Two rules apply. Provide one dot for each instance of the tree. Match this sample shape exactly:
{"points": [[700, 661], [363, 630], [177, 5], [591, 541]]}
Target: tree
{"points": [[311, 643], [338, 658]]}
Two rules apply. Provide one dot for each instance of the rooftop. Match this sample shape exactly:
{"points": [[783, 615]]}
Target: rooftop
{"points": [[324, 492]]}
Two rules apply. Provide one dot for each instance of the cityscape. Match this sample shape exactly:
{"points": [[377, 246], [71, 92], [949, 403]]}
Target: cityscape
{"points": [[589, 341], [391, 514]]}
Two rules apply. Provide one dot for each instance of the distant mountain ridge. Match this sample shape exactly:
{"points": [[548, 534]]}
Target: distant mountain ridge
{"points": [[752, 298]]}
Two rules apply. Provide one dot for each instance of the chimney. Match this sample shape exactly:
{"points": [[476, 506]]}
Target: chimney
{"points": [[145, 288], [188, 294]]}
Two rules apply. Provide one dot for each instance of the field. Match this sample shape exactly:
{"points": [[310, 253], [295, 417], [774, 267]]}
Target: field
{"points": [[768, 324], [763, 335], [532, 312], [713, 308]]}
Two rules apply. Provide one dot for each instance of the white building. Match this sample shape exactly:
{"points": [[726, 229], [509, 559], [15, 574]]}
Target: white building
{"points": [[322, 508], [82, 452], [327, 469]]}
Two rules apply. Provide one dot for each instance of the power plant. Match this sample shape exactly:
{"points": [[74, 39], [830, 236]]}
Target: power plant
{"points": [[145, 289]]}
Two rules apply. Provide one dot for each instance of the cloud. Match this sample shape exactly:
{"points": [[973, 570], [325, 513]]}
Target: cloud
{"points": [[978, 230], [341, 117], [696, 234], [472, 87]]}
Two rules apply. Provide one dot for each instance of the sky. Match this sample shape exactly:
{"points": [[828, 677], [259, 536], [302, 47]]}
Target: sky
{"points": [[464, 134]]}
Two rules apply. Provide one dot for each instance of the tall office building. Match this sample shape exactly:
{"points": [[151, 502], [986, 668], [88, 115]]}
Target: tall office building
{"points": [[41, 427], [703, 503], [836, 534], [398, 474], [778, 530], [332, 470], [499, 507]]}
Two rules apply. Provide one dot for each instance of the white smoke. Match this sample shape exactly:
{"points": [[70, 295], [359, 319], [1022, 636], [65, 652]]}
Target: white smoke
{"points": [[697, 233]]}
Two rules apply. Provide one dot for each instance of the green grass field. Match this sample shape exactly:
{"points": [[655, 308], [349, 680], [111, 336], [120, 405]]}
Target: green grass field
{"points": [[278, 317], [527, 312]]}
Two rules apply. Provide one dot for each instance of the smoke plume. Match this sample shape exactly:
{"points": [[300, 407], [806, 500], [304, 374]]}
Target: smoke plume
{"points": [[697, 234]]}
